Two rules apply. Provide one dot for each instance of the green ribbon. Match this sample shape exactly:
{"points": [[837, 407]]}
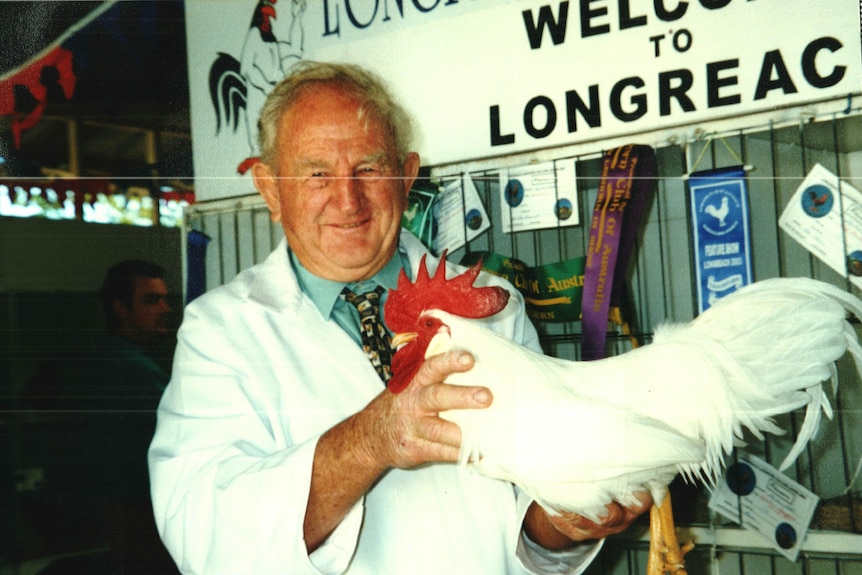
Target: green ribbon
{"points": [[552, 292]]}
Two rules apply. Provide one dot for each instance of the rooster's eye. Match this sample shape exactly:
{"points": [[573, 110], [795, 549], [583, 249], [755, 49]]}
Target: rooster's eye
{"points": [[429, 323]]}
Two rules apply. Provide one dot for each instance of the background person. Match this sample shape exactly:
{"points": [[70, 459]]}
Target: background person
{"points": [[100, 418]]}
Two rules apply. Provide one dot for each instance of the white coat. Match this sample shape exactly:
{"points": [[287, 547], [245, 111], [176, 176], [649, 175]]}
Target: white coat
{"points": [[258, 376]]}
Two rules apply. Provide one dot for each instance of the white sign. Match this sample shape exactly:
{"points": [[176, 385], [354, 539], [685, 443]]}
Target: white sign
{"points": [[459, 214], [488, 78], [825, 216], [760, 498], [539, 196]]}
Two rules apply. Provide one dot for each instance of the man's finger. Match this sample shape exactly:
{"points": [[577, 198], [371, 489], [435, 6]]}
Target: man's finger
{"points": [[436, 368], [443, 433], [443, 397]]}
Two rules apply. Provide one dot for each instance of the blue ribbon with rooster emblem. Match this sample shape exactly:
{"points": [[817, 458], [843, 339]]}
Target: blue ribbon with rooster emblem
{"points": [[720, 224], [624, 192]]}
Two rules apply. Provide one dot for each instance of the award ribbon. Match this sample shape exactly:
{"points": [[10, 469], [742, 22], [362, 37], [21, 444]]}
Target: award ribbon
{"points": [[624, 192], [721, 228], [552, 292]]}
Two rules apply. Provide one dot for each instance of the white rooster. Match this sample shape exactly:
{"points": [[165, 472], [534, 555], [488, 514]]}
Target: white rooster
{"points": [[675, 406]]}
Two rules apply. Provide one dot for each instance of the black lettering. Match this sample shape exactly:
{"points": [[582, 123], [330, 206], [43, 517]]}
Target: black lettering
{"points": [[498, 139], [327, 31], [550, 121], [352, 17], [714, 82], [587, 14], [626, 20], [809, 67], [421, 8], [400, 4], [655, 40], [639, 100], [678, 38], [666, 91], [714, 4], [772, 61], [556, 28], [664, 15], [592, 113]]}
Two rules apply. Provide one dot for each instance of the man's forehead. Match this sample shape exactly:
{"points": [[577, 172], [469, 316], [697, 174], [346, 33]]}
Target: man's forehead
{"points": [[144, 285], [378, 157]]}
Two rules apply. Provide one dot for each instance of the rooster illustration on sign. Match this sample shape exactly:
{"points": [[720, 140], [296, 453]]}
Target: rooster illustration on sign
{"points": [[720, 212], [238, 87], [817, 201]]}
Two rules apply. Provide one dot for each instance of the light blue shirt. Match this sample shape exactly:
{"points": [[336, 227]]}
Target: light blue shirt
{"points": [[325, 294]]}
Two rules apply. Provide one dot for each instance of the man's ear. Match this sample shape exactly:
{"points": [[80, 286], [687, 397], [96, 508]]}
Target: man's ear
{"points": [[411, 170], [267, 185]]}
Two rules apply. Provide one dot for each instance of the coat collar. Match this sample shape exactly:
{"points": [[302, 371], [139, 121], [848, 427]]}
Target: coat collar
{"points": [[275, 285]]}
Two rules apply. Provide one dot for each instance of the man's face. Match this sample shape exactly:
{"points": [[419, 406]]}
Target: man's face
{"points": [[336, 186], [149, 315]]}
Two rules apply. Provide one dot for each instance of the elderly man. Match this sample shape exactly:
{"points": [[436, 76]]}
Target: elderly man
{"points": [[278, 449]]}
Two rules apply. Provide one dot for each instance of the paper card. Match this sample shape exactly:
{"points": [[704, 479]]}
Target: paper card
{"points": [[539, 196], [814, 219], [459, 214], [770, 503]]}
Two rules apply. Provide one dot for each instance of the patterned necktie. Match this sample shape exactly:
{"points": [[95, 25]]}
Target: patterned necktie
{"points": [[375, 338]]}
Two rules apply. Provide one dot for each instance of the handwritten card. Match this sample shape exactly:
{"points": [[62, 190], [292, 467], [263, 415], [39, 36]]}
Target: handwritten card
{"points": [[825, 216], [539, 196]]}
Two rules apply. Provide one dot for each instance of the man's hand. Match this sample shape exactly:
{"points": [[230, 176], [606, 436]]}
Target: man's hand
{"points": [[405, 430], [561, 531], [394, 430]]}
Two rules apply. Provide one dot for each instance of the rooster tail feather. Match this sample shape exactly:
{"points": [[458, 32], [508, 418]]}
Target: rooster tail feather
{"points": [[810, 425], [773, 345], [854, 347]]}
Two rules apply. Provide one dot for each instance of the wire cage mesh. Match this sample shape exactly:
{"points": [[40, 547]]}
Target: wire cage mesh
{"points": [[660, 287]]}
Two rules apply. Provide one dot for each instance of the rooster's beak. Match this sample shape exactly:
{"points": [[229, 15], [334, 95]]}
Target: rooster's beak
{"points": [[401, 339]]}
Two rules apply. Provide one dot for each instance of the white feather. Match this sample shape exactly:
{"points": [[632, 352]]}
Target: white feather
{"points": [[577, 435]]}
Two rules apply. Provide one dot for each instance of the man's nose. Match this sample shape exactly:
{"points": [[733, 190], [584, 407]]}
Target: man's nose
{"points": [[348, 193]]}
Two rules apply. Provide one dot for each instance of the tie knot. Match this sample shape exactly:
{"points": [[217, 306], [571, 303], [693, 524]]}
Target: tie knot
{"points": [[369, 297]]}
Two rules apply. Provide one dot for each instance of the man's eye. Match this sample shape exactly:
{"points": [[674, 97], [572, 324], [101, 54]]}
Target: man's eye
{"points": [[317, 180]]}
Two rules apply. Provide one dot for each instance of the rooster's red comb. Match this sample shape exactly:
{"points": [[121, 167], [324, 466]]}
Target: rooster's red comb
{"points": [[457, 296]]}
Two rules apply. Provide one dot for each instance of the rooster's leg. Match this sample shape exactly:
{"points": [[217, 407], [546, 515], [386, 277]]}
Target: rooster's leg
{"points": [[665, 554]]}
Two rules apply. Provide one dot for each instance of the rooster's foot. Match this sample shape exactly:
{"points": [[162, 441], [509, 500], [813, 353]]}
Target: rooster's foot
{"points": [[665, 553]]}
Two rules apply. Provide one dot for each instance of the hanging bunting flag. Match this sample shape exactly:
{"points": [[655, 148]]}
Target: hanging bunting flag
{"points": [[26, 89], [720, 225], [23, 95], [624, 192]]}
